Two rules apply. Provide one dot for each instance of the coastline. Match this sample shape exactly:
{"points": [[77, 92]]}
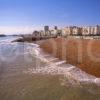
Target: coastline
{"points": [[70, 57], [37, 72]]}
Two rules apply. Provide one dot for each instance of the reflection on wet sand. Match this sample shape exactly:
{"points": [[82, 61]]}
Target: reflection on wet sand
{"points": [[15, 84]]}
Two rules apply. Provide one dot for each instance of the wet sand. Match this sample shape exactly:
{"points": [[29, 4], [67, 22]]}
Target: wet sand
{"points": [[69, 52], [16, 84]]}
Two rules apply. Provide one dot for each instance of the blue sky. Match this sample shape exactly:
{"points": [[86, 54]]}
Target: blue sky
{"points": [[14, 13]]}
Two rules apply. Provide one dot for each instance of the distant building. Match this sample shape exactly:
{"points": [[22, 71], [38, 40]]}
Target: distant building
{"points": [[75, 30], [79, 31], [67, 31], [42, 33], [91, 30], [55, 28], [55, 31], [46, 30], [97, 30], [36, 33], [87, 30], [59, 32]]}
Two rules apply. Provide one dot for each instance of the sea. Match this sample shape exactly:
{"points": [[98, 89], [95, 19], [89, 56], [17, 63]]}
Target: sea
{"points": [[28, 73]]}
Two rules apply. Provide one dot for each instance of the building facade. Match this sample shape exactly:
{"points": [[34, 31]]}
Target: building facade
{"points": [[46, 30], [91, 30], [72, 30], [67, 31], [87, 30]]}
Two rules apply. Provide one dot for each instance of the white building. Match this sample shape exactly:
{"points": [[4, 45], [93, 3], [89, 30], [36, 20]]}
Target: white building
{"points": [[85, 30], [67, 31], [75, 30], [91, 30]]}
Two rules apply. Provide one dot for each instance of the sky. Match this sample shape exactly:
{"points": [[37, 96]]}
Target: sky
{"points": [[27, 15]]}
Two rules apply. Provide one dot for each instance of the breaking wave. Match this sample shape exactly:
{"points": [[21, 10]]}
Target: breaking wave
{"points": [[71, 74]]}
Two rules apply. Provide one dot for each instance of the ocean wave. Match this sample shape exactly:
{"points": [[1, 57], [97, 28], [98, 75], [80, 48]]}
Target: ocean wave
{"points": [[72, 75]]}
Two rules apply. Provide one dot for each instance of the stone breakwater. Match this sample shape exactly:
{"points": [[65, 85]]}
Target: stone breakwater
{"points": [[27, 38]]}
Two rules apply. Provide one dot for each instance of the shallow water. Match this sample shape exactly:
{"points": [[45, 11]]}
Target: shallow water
{"points": [[16, 83]]}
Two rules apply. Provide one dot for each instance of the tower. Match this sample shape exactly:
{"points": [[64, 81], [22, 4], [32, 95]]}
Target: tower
{"points": [[46, 30]]}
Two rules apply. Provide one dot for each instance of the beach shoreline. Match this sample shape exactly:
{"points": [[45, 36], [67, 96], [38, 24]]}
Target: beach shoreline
{"points": [[36, 71], [69, 52]]}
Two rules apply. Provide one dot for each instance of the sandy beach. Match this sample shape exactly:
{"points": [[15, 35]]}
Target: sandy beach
{"points": [[76, 52], [36, 75]]}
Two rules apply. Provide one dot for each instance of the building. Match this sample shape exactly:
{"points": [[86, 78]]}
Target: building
{"points": [[71, 30], [97, 30], [67, 31], [46, 30], [79, 31], [91, 30], [36, 34], [85, 30], [55, 28], [55, 31], [42, 33], [59, 33], [75, 30]]}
